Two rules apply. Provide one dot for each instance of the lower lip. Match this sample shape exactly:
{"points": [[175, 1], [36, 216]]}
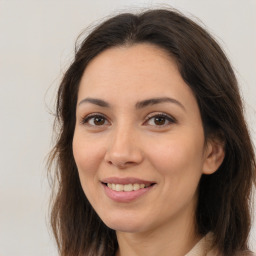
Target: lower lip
{"points": [[125, 197]]}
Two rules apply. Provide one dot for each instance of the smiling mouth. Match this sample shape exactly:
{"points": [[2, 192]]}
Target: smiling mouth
{"points": [[127, 187]]}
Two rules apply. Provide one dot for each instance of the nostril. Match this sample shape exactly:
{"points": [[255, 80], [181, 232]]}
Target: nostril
{"points": [[123, 157], [120, 164]]}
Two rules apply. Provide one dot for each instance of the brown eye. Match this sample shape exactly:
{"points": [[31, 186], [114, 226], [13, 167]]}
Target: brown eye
{"points": [[160, 120], [98, 120], [95, 120]]}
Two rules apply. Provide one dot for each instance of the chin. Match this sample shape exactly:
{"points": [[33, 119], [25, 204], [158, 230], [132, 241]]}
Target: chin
{"points": [[122, 224]]}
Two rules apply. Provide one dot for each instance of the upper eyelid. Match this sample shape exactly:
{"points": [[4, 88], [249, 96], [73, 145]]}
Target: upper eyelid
{"points": [[92, 115], [154, 114], [95, 114]]}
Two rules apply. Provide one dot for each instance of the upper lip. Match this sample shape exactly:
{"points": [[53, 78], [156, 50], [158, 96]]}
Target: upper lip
{"points": [[127, 180]]}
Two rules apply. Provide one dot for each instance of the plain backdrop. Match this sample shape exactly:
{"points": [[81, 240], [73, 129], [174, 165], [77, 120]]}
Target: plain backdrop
{"points": [[36, 46]]}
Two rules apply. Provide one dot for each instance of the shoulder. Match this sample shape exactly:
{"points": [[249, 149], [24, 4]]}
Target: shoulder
{"points": [[215, 253], [246, 253]]}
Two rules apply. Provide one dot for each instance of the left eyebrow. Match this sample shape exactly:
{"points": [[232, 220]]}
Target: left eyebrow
{"points": [[153, 101]]}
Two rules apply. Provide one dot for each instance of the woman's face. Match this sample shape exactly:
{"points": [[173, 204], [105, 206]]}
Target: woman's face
{"points": [[139, 140]]}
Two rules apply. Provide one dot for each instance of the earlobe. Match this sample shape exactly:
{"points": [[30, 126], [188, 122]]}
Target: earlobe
{"points": [[214, 156]]}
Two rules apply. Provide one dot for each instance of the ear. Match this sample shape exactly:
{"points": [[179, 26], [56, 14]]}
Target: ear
{"points": [[213, 156]]}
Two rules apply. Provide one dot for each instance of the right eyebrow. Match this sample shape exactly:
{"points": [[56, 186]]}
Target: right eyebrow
{"points": [[97, 102]]}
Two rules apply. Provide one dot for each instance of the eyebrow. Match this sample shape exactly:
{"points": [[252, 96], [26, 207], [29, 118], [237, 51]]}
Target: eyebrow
{"points": [[153, 101], [97, 102], [138, 105]]}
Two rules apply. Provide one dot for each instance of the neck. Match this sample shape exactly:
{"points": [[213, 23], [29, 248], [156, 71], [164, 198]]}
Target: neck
{"points": [[176, 238]]}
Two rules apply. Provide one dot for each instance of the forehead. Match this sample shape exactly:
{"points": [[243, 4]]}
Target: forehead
{"points": [[138, 71], [122, 59]]}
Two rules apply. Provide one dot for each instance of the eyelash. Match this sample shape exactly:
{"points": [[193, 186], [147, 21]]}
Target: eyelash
{"points": [[86, 119], [168, 118]]}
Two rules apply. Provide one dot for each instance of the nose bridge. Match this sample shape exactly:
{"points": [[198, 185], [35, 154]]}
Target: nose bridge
{"points": [[123, 139], [124, 148]]}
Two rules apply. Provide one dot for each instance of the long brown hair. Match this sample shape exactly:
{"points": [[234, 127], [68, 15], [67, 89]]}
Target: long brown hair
{"points": [[224, 197]]}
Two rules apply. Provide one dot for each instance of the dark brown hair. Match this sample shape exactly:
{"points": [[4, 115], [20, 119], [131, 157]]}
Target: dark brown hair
{"points": [[224, 197]]}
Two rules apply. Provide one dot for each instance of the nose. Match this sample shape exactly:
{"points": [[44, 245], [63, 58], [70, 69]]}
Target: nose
{"points": [[124, 149]]}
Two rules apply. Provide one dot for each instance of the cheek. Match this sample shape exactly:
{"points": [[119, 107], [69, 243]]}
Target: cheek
{"points": [[88, 155], [86, 151], [179, 164], [178, 160]]}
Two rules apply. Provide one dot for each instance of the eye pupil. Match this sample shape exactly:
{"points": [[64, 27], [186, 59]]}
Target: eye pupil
{"points": [[99, 120], [159, 120]]}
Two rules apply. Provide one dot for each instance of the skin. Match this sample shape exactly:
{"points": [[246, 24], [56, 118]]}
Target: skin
{"points": [[131, 142]]}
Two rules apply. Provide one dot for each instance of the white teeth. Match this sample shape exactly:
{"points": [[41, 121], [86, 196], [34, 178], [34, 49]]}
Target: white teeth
{"points": [[126, 187], [119, 187], [136, 186]]}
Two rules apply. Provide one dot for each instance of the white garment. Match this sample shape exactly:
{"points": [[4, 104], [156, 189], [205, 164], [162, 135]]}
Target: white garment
{"points": [[203, 248]]}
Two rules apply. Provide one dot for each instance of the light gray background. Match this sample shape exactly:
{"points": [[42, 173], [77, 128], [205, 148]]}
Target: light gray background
{"points": [[36, 45]]}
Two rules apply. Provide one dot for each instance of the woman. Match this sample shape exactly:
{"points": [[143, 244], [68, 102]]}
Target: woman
{"points": [[153, 154]]}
